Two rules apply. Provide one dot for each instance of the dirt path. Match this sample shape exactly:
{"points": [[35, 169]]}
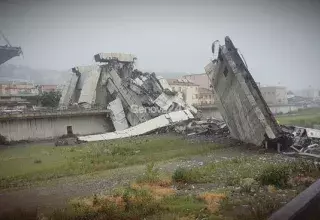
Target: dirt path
{"points": [[56, 193]]}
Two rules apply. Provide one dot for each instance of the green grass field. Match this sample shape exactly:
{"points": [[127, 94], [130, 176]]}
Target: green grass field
{"points": [[304, 118], [237, 186], [24, 165]]}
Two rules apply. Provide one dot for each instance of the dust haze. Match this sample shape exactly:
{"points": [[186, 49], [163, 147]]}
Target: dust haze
{"points": [[279, 39]]}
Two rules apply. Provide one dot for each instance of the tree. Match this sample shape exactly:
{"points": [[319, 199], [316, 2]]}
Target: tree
{"points": [[50, 99]]}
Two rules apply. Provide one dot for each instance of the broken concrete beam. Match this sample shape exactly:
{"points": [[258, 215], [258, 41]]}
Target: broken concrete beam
{"points": [[238, 97], [8, 52], [117, 115], [120, 57], [143, 128]]}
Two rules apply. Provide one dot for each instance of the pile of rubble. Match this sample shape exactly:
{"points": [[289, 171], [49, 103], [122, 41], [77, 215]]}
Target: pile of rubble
{"points": [[142, 103], [139, 102], [305, 142]]}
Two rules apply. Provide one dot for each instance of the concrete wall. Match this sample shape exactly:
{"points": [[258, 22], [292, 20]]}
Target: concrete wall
{"points": [[45, 128]]}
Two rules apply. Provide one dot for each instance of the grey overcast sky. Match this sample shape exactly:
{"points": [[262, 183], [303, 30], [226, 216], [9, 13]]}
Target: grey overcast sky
{"points": [[280, 39]]}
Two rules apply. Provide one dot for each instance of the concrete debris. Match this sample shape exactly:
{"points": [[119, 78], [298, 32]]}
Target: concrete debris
{"points": [[305, 142], [135, 99], [210, 126], [238, 97]]}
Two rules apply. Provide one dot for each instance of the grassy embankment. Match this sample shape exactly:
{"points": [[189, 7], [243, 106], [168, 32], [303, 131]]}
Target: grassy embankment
{"points": [[238, 188], [304, 118], [23, 166]]}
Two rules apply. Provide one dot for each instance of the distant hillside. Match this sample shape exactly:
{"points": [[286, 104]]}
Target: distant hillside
{"points": [[9, 72]]}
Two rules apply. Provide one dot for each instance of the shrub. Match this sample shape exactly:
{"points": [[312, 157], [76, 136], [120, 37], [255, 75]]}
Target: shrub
{"points": [[277, 175], [181, 175], [3, 140], [37, 161]]}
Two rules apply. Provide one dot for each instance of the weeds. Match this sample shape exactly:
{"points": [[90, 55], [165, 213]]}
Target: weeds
{"points": [[212, 200], [130, 203], [249, 207], [304, 167], [151, 174], [277, 175]]}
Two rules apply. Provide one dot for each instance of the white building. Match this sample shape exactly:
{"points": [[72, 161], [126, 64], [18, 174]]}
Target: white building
{"points": [[200, 79], [187, 89], [206, 97], [309, 93], [274, 95]]}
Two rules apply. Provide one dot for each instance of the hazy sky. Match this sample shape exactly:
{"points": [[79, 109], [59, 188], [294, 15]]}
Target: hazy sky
{"points": [[280, 39]]}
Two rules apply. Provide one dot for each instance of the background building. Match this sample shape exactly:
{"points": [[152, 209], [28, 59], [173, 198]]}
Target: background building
{"points": [[309, 93], [47, 88], [274, 95], [18, 89], [18, 94], [187, 89], [200, 79], [206, 97]]}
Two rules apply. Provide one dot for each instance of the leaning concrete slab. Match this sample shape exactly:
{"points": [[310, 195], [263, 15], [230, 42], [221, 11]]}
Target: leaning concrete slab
{"points": [[117, 115], [238, 97], [89, 76]]}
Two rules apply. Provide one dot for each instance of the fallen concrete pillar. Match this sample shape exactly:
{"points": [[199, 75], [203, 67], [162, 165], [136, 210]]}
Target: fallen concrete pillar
{"points": [[238, 97]]}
